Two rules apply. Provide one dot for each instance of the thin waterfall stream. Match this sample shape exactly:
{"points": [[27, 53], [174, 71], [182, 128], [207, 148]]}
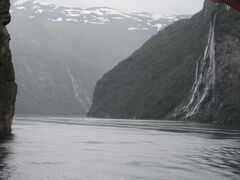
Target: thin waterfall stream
{"points": [[205, 75]]}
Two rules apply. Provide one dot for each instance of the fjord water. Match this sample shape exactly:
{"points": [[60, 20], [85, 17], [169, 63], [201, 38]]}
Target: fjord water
{"points": [[52, 148]]}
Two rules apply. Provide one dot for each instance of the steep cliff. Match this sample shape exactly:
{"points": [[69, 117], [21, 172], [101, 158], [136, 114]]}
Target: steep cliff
{"points": [[189, 70], [7, 80], [216, 91]]}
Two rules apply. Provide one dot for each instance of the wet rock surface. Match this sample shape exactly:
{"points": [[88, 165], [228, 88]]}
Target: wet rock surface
{"points": [[8, 87]]}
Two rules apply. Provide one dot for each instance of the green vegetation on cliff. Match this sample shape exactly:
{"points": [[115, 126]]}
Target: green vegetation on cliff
{"points": [[157, 79]]}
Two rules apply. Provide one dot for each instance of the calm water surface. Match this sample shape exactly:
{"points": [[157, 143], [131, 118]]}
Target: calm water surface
{"points": [[52, 148]]}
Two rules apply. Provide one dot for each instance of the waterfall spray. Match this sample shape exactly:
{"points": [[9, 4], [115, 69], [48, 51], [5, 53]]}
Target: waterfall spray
{"points": [[205, 75]]}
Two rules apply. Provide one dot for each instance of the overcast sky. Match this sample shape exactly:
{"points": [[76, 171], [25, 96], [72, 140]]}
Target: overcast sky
{"points": [[155, 6]]}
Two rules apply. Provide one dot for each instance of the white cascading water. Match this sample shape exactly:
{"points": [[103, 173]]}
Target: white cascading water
{"points": [[205, 75], [76, 84]]}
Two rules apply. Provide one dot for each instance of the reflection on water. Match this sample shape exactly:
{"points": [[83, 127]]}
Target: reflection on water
{"points": [[81, 148], [227, 158], [5, 152]]}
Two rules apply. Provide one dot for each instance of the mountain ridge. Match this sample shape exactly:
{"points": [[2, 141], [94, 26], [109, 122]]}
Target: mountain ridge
{"points": [[101, 15]]}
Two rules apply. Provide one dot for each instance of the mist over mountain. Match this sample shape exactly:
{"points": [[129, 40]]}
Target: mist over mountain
{"points": [[59, 53]]}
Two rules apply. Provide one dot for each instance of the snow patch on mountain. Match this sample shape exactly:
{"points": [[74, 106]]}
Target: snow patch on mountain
{"points": [[94, 15], [72, 20], [21, 7], [158, 26], [56, 20], [135, 29], [19, 2]]}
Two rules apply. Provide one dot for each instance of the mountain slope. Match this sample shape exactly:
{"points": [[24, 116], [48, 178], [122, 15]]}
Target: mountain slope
{"points": [[64, 51], [158, 80]]}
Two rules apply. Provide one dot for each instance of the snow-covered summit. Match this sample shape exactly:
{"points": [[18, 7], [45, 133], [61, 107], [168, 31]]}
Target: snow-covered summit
{"points": [[94, 15]]}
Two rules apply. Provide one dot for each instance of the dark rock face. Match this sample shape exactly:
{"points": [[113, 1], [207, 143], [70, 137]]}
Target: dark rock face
{"points": [[208, 7], [8, 87], [228, 77], [4, 12]]}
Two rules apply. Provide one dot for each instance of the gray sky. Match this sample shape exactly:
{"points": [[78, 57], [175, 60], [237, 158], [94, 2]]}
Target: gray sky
{"points": [[155, 6]]}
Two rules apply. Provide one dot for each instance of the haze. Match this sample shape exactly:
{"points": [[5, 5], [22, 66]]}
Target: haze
{"points": [[155, 6]]}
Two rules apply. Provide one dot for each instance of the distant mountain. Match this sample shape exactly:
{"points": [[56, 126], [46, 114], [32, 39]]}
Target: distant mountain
{"points": [[59, 53], [189, 70]]}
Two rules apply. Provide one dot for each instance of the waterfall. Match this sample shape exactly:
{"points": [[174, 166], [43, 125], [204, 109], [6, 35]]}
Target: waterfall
{"points": [[205, 75], [82, 98]]}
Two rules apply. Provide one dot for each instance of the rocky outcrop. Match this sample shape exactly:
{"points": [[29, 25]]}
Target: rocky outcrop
{"points": [[8, 86], [208, 7]]}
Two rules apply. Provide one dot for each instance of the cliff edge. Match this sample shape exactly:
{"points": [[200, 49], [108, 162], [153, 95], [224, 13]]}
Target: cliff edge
{"points": [[8, 87]]}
